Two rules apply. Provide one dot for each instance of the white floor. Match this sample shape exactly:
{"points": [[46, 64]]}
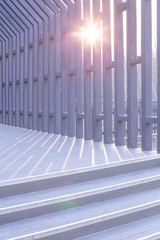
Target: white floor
{"points": [[26, 153]]}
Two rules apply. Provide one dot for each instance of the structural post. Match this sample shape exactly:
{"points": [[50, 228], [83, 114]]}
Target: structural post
{"points": [[97, 74], [158, 76], [132, 61], [79, 72], [108, 65], [119, 116], [88, 76], [146, 49], [1, 46]]}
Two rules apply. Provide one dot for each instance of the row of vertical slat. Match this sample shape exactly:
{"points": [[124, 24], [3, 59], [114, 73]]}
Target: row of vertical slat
{"points": [[53, 79]]}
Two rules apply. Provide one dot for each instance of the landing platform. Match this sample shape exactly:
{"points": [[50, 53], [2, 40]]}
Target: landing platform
{"points": [[25, 153]]}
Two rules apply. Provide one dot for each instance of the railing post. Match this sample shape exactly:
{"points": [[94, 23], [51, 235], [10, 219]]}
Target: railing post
{"points": [[72, 71], [158, 76], [108, 65], [88, 71], [119, 125], [79, 72], [146, 48], [1, 46], [97, 74], [132, 61]]}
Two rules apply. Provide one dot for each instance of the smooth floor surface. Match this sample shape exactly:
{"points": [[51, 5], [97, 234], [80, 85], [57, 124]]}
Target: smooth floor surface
{"points": [[25, 153]]}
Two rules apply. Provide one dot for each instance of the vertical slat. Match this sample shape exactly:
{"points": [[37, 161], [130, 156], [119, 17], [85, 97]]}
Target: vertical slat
{"points": [[64, 80], [25, 80], [10, 99], [57, 83], [107, 72], [132, 112], [35, 79], [87, 77], [40, 85], [51, 85], [146, 40], [45, 82], [51, 75], [119, 126], [158, 76], [6, 82], [30, 89], [1, 74], [3, 82], [14, 84], [72, 72], [97, 74], [17, 81], [21, 69], [79, 72]]}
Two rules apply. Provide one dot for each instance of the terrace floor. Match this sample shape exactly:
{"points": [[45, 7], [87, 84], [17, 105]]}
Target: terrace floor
{"points": [[25, 153]]}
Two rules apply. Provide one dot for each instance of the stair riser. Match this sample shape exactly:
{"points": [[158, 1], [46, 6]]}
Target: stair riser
{"points": [[69, 179], [75, 202]]}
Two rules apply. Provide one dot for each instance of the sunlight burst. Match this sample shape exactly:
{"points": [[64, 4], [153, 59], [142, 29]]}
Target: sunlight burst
{"points": [[91, 33]]}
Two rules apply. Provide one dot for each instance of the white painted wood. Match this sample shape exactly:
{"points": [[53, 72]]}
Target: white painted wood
{"points": [[79, 72], [158, 76], [1, 74], [97, 74], [57, 83], [72, 70], [64, 70], [132, 113], [107, 73], [146, 48], [119, 126], [87, 78]]}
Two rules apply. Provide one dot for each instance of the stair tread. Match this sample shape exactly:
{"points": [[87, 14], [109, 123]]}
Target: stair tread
{"points": [[143, 228], [73, 189], [80, 214]]}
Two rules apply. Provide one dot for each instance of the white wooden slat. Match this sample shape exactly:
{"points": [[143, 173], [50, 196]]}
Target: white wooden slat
{"points": [[87, 78], [40, 86], [72, 71], [6, 82], [97, 74], [107, 73], [57, 83], [132, 112], [35, 78], [119, 126], [25, 80], [158, 76], [64, 71], [30, 90], [21, 88], [10, 97], [51, 86], [1, 50], [146, 42], [79, 72]]}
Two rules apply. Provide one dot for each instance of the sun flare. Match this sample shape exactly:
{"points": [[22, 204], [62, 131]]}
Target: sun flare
{"points": [[91, 33]]}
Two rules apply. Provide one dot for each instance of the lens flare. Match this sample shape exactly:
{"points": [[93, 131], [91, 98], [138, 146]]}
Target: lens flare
{"points": [[91, 33]]}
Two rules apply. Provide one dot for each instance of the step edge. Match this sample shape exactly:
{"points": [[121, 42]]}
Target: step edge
{"points": [[66, 173], [87, 222], [74, 196]]}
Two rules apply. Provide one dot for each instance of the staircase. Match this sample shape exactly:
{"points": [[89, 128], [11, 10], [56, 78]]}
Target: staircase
{"points": [[118, 201]]}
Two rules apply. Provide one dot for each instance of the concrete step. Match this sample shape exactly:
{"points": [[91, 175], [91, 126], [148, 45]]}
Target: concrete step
{"points": [[144, 229], [60, 179], [52, 200], [79, 203], [87, 219]]}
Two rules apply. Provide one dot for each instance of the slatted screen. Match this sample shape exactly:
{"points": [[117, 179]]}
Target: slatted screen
{"points": [[66, 66]]}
